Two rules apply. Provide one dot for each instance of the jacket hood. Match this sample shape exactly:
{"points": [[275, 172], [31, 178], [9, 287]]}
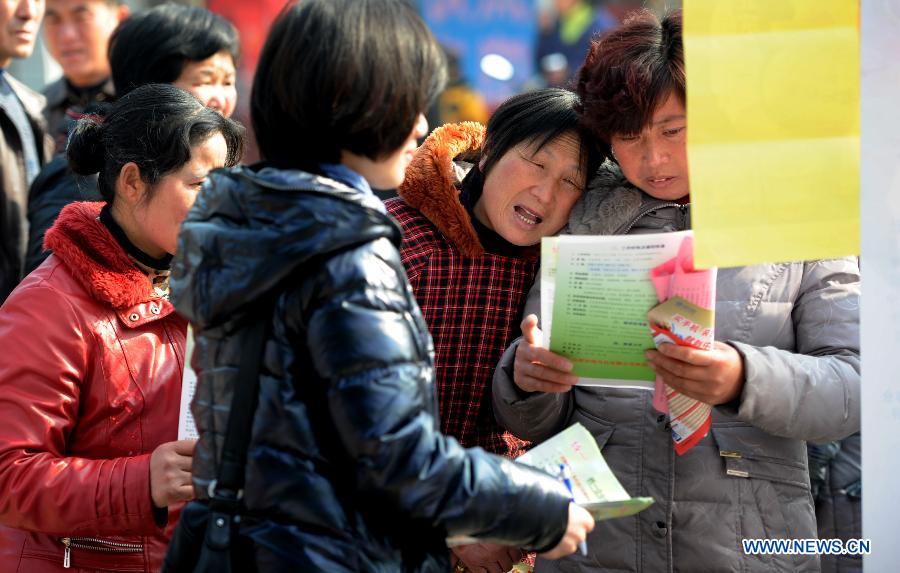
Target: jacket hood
{"points": [[608, 204], [432, 180], [89, 250], [250, 229]]}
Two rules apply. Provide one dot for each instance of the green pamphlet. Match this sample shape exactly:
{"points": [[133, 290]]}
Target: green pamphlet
{"points": [[595, 294]]}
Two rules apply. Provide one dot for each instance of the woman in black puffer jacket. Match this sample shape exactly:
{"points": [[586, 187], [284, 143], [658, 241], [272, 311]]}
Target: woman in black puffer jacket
{"points": [[347, 469]]}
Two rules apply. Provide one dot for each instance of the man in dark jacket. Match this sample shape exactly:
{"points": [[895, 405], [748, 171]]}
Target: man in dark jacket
{"points": [[23, 145], [77, 34]]}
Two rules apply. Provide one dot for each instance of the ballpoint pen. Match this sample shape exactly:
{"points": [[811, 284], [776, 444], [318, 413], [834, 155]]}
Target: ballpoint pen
{"points": [[564, 477]]}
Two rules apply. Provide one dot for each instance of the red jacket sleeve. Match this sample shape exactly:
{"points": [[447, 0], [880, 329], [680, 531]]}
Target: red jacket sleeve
{"points": [[48, 351]]}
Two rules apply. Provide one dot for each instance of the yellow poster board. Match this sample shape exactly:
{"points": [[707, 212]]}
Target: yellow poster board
{"points": [[773, 138]]}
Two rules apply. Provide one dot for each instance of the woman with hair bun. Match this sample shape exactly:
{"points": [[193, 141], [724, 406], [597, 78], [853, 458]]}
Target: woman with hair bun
{"points": [[91, 473], [186, 46]]}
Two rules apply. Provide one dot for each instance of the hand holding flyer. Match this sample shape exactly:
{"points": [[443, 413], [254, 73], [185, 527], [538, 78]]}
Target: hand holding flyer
{"points": [[685, 317], [595, 294], [593, 484]]}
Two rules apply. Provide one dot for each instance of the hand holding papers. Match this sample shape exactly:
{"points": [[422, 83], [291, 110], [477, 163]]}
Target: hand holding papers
{"points": [[595, 294], [594, 486], [685, 317], [592, 483]]}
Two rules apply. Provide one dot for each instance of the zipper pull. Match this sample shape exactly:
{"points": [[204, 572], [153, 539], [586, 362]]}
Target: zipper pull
{"points": [[67, 553]]}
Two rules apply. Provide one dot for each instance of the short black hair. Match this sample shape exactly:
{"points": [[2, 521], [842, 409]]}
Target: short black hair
{"points": [[537, 117], [155, 126], [154, 46], [343, 75]]}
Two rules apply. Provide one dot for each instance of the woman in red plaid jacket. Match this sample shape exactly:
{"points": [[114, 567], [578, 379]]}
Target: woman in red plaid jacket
{"points": [[474, 207]]}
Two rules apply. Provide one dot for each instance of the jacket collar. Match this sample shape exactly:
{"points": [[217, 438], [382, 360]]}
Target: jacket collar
{"points": [[610, 204], [57, 93], [432, 178], [89, 251], [251, 228], [33, 102], [294, 180]]}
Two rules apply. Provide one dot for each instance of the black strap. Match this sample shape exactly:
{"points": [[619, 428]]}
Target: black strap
{"points": [[230, 480]]}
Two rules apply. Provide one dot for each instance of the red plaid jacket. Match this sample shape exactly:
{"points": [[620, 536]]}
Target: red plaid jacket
{"points": [[472, 300]]}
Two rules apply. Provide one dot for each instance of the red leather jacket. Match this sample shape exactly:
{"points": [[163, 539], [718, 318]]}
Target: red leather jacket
{"points": [[90, 381]]}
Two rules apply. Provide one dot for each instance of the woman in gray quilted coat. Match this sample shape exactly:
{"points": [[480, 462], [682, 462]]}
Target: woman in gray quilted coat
{"points": [[785, 368]]}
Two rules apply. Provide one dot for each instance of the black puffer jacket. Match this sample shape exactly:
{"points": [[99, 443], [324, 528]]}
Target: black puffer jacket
{"points": [[55, 187], [347, 470], [836, 477]]}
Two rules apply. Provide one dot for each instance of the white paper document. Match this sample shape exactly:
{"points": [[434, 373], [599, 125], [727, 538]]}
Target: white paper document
{"points": [[187, 429]]}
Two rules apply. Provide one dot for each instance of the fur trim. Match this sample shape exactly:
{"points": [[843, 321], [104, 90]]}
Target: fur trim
{"points": [[431, 179], [91, 253]]}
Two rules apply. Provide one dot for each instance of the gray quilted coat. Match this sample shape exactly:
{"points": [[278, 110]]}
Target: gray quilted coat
{"points": [[797, 327]]}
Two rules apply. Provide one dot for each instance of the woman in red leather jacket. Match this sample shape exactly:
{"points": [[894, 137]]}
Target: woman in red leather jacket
{"points": [[91, 474]]}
